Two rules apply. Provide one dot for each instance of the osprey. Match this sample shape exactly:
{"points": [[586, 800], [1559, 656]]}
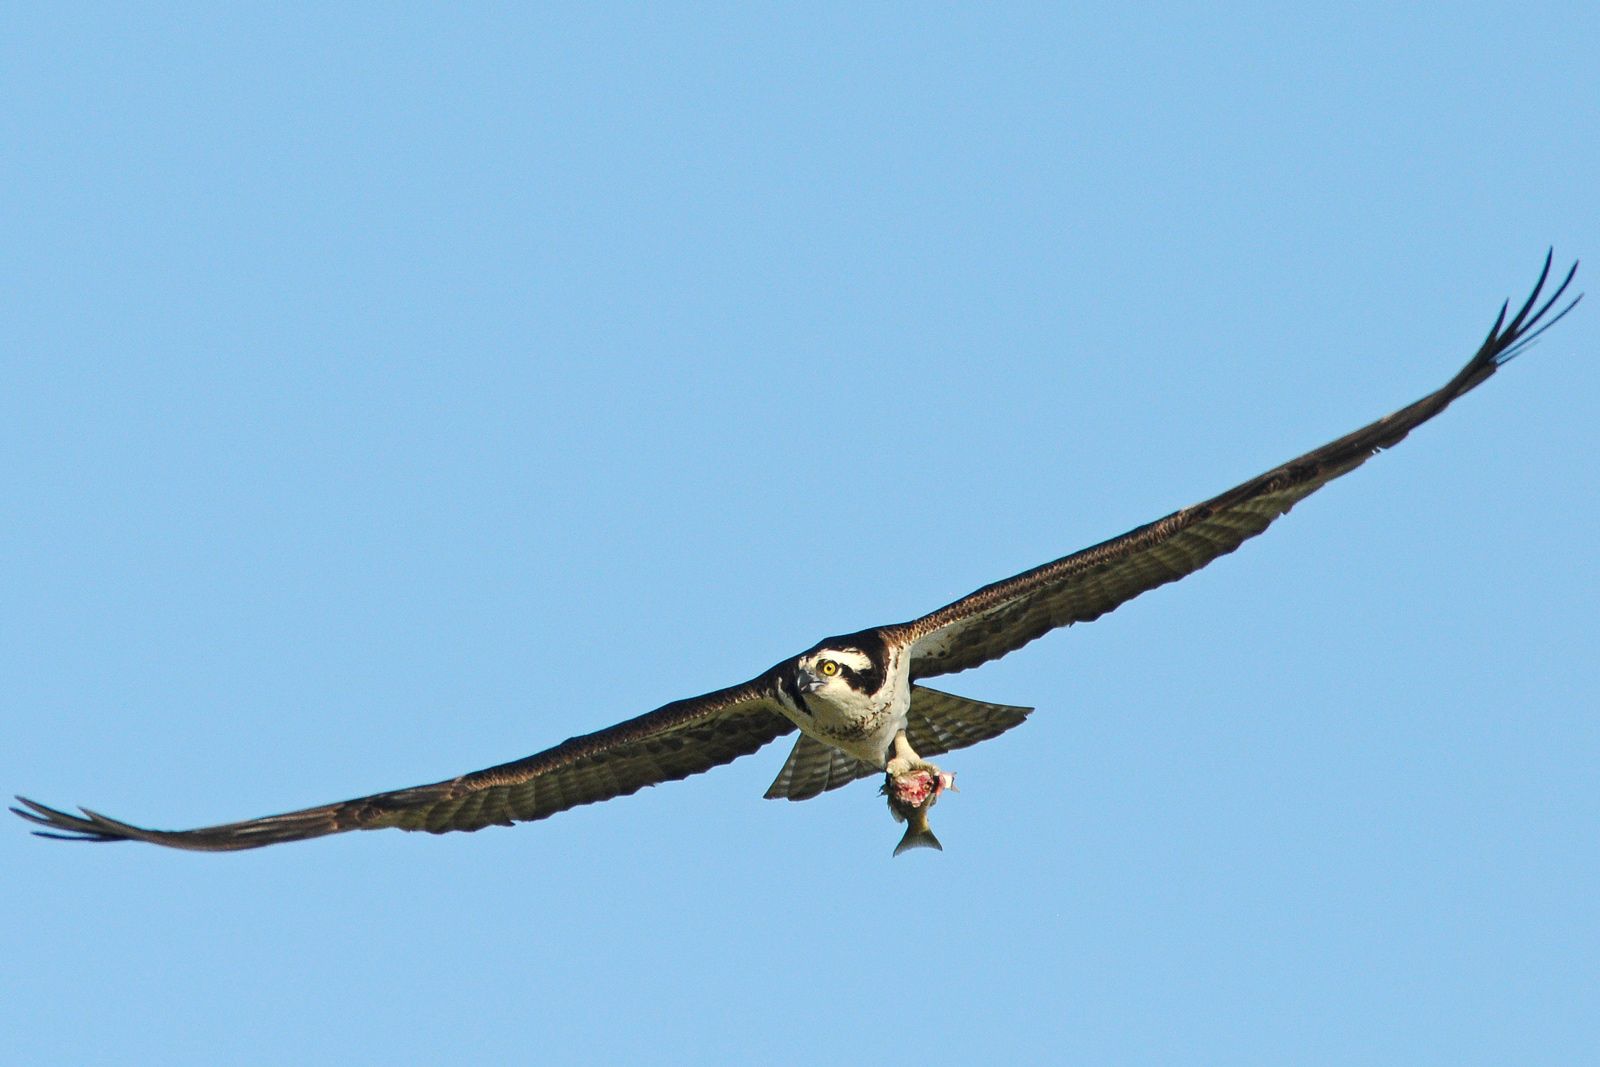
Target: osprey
{"points": [[858, 700]]}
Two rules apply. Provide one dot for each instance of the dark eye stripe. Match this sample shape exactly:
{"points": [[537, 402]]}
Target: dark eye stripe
{"points": [[870, 647], [792, 687]]}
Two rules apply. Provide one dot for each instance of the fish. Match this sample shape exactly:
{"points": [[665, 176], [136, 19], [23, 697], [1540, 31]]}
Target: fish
{"points": [[912, 788]]}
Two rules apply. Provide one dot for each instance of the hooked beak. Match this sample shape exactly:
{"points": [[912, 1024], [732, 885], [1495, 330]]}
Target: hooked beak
{"points": [[809, 682]]}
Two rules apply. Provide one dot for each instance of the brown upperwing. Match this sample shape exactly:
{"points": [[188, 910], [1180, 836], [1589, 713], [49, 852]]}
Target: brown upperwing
{"points": [[672, 742], [1003, 617]]}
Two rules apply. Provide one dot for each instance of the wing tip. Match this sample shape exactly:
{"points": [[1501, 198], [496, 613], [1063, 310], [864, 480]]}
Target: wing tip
{"points": [[1507, 340], [64, 826]]}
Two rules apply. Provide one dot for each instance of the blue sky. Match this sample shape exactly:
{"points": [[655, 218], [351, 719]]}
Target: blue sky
{"points": [[394, 390]]}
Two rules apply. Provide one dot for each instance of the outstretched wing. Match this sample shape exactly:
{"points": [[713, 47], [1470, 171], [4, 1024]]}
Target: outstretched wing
{"points": [[1003, 617], [672, 742]]}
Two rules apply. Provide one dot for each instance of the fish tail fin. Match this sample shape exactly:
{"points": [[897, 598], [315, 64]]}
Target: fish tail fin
{"points": [[918, 835]]}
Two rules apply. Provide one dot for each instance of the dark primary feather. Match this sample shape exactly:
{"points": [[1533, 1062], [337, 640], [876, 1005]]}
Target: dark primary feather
{"points": [[675, 741], [1002, 617]]}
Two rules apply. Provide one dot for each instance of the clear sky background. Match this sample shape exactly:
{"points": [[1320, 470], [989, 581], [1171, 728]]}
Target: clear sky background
{"points": [[393, 391]]}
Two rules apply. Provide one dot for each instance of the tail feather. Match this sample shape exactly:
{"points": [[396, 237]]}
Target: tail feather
{"points": [[813, 768], [939, 722], [936, 723]]}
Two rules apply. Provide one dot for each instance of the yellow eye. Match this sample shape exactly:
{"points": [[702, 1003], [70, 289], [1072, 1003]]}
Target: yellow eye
{"points": [[827, 668]]}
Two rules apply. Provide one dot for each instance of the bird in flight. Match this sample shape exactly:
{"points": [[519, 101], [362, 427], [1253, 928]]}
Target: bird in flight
{"points": [[859, 700]]}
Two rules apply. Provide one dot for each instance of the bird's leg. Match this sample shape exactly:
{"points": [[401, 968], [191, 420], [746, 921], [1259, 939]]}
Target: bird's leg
{"points": [[911, 780], [904, 758]]}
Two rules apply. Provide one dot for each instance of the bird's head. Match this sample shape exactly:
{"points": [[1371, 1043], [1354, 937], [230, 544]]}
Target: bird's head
{"points": [[847, 677], [837, 675]]}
